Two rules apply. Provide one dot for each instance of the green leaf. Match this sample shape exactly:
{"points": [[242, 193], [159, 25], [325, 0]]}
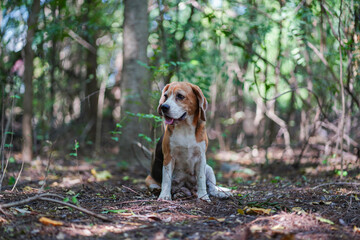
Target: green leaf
{"points": [[324, 220], [15, 96], [11, 180], [115, 211], [74, 199], [73, 154], [11, 160], [146, 138]]}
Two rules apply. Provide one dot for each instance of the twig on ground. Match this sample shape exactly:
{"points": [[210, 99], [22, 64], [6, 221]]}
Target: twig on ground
{"points": [[131, 190], [337, 183], [44, 197], [76, 207], [19, 175]]}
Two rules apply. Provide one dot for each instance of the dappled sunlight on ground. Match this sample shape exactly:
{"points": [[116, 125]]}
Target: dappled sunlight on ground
{"points": [[269, 201]]}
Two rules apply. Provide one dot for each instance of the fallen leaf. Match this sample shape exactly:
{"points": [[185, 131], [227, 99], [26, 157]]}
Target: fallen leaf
{"points": [[256, 210], [48, 221], [240, 211], [298, 210], [101, 176], [278, 227], [324, 220], [255, 228], [356, 229], [29, 189]]}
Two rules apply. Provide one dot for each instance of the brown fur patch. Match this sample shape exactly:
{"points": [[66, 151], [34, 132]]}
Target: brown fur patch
{"points": [[200, 133], [166, 145], [149, 180]]}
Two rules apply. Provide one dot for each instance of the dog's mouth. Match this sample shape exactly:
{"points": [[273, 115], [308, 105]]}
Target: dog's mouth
{"points": [[170, 121]]}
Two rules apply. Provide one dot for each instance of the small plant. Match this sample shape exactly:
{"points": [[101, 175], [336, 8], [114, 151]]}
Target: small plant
{"points": [[276, 179], [76, 146], [73, 199], [116, 133], [338, 173]]}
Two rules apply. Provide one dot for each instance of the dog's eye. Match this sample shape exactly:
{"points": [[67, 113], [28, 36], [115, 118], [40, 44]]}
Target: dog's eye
{"points": [[165, 96], [180, 96]]}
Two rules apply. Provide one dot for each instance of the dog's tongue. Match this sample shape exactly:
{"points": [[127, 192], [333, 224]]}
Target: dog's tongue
{"points": [[169, 120]]}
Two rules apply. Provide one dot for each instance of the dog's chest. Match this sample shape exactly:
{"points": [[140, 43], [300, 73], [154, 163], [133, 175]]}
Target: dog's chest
{"points": [[186, 152]]}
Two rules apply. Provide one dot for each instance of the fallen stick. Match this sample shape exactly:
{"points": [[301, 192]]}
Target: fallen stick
{"points": [[76, 207], [44, 197], [336, 183]]}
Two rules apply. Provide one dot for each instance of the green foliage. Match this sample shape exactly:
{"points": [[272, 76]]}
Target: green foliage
{"points": [[75, 148]]}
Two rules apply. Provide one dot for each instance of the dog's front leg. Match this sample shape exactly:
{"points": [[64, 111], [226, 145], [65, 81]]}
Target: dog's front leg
{"points": [[166, 180], [201, 179]]}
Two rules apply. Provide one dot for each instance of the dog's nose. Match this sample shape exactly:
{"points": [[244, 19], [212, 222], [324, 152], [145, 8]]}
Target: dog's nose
{"points": [[165, 108]]}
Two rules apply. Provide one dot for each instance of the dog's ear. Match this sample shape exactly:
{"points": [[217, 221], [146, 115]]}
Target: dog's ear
{"points": [[202, 101], [162, 99]]}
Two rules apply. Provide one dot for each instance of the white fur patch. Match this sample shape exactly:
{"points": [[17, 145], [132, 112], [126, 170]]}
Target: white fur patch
{"points": [[175, 110]]}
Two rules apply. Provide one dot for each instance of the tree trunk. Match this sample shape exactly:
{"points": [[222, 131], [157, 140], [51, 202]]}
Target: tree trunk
{"points": [[135, 83], [91, 91], [28, 75], [91, 86]]}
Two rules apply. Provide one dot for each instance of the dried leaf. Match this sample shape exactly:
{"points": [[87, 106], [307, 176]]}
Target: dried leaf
{"points": [[240, 211], [298, 210], [101, 176], [277, 227], [48, 221], [255, 228], [356, 229], [29, 189], [256, 210], [324, 220]]}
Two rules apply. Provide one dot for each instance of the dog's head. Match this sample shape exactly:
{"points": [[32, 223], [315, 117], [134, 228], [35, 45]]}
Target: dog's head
{"points": [[179, 100]]}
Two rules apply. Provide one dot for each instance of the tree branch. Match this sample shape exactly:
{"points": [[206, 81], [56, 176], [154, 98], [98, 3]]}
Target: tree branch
{"points": [[44, 197]]}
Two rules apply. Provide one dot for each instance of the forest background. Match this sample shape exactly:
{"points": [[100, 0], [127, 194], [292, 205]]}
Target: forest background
{"points": [[81, 79]]}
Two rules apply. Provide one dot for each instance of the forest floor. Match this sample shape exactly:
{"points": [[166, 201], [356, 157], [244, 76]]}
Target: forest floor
{"points": [[273, 201]]}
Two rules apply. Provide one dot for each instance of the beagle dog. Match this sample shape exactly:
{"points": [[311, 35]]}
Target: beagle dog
{"points": [[180, 161]]}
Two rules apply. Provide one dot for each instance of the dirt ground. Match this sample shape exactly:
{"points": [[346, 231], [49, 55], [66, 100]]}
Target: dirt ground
{"points": [[273, 201]]}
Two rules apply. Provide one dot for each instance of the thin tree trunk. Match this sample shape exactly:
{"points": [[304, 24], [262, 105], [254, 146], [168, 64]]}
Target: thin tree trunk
{"points": [[100, 115], [135, 84], [28, 75]]}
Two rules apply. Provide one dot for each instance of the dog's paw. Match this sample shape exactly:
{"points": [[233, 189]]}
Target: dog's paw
{"points": [[164, 197], [203, 196]]}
